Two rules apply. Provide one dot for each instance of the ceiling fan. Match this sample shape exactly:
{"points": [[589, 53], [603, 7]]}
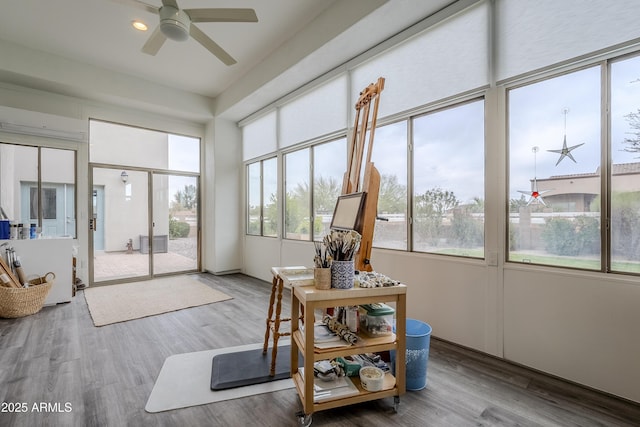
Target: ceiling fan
{"points": [[178, 24]]}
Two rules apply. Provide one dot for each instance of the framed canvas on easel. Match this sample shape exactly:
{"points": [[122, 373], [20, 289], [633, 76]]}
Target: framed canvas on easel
{"points": [[348, 212]]}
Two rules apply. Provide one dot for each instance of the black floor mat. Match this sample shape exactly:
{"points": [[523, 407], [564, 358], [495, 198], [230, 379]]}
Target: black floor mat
{"points": [[249, 367]]}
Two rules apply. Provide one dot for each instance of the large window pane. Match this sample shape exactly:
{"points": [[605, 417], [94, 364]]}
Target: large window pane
{"points": [[253, 202], [554, 171], [270, 197], [625, 170], [262, 198], [329, 167], [175, 223], [448, 164], [184, 153], [131, 146], [297, 207], [58, 192], [52, 209], [390, 158]]}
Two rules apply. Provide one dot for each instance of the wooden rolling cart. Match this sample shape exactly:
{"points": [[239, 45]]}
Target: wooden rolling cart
{"points": [[309, 299]]}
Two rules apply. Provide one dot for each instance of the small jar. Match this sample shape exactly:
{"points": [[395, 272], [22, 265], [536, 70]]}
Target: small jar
{"points": [[32, 231], [14, 232], [20, 231]]}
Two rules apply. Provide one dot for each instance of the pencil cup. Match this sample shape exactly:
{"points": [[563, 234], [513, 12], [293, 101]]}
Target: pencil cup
{"points": [[322, 278], [342, 274]]}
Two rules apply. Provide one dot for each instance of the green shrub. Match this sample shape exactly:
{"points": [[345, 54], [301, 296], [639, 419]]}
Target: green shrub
{"points": [[580, 236], [178, 229]]}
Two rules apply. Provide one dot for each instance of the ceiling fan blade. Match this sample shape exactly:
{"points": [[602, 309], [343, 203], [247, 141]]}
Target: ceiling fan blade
{"points": [[138, 5], [155, 42], [222, 15], [172, 3], [210, 45]]}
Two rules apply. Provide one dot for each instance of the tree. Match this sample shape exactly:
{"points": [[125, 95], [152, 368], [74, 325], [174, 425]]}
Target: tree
{"points": [[516, 204], [392, 197], [185, 199], [633, 143], [297, 210], [436, 202], [625, 218], [430, 210], [325, 194], [270, 216]]}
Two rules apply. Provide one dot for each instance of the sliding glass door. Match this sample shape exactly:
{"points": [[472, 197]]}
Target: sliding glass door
{"points": [[119, 224], [127, 245], [145, 194], [175, 223]]}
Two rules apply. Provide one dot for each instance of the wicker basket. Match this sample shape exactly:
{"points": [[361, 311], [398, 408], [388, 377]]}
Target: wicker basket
{"points": [[20, 302]]}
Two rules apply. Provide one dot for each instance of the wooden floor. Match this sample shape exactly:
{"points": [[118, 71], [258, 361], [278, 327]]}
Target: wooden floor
{"points": [[88, 376]]}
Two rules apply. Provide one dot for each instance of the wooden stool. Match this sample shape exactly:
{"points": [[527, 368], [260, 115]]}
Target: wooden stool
{"points": [[273, 322]]}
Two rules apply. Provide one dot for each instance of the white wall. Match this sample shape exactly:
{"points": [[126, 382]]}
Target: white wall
{"points": [[583, 327], [223, 218]]}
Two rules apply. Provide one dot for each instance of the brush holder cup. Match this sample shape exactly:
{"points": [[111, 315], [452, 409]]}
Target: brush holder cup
{"points": [[322, 278], [342, 274]]}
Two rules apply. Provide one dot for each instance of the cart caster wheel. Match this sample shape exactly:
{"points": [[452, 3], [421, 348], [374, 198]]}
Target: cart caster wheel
{"points": [[303, 419], [396, 403]]}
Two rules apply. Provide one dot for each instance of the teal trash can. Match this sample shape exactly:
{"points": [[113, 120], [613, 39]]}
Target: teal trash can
{"points": [[417, 356]]}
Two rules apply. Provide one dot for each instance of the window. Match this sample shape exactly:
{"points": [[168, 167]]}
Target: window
{"points": [[254, 198], [297, 204], [625, 168], [116, 144], [270, 197], [48, 203], [390, 158], [262, 203], [554, 171], [448, 182], [329, 167]]}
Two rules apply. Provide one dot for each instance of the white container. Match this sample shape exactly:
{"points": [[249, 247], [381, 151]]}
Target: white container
{"points": [[371, 378], [376, 320]]}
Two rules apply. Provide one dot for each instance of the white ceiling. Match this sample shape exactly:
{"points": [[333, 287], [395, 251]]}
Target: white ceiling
{"points": [[88, 49]]}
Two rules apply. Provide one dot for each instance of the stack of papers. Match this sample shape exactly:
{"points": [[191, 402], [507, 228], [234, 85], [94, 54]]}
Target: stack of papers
{"points": [[325, 338], [326, 390]]}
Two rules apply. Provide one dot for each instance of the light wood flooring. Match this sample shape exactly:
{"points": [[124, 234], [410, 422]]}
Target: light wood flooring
{"points": [[105, 375]]}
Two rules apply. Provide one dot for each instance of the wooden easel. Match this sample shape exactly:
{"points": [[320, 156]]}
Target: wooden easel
{"points": [[370, 184]]}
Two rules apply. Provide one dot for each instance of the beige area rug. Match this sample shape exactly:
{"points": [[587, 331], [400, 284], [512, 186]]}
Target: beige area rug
{"points": [[185, 380], [128, 301]]}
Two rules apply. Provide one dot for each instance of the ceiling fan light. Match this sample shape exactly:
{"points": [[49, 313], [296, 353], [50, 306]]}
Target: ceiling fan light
{"points": [[139, 25], [174, 23]]}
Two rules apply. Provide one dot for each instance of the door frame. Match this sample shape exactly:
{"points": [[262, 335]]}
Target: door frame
{"points": [[150, 176]]}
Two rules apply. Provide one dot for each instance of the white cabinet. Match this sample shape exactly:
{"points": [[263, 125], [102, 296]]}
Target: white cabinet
{"points": [[40, 256]]}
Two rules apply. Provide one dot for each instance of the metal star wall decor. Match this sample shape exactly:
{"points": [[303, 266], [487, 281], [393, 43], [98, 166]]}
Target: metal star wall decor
{"points": [[565, 151], [535, 196]]}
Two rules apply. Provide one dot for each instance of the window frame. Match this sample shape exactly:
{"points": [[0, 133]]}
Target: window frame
{"points": [[606, 165], [261, 204], [36, 183]]}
